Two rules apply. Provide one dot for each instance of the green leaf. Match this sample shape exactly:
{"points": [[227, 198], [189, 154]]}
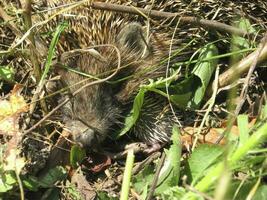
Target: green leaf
{"points": [[261, 193], [238, 42], [31, 183], [170, 172], [7, 73], [52, 49], [242, 121], [143, 179], [7, 181], [201, 159], [204, 70], [53, 175], [77, 154], [132, 118], [181, 93]]}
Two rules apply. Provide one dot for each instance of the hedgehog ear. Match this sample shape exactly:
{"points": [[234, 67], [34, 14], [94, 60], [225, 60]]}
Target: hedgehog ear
{"points": [[132, 38]]}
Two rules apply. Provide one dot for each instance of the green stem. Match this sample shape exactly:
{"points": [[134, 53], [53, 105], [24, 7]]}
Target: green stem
{"points": [[127, 175]]}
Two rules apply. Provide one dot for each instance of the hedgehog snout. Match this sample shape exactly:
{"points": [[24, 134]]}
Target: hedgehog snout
{"points": [[82, 134]]}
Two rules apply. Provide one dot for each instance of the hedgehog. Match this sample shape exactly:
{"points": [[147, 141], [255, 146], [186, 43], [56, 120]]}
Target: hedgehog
{"points": [[93, 113]]}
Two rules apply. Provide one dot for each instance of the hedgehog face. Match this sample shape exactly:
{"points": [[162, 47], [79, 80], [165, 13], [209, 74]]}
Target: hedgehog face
{"points": [[93, 111]]}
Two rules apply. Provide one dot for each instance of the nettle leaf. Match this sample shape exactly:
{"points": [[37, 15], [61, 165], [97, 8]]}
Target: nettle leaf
{"points": [[77, 154], [139, 100], [132, 118], [204, 70], [170, 172], [183, 92], [7, 73], [190, 92], [201, 159], [187, 93]]}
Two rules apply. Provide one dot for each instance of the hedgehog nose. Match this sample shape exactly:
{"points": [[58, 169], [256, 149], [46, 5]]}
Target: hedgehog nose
{"points": [[85, 138], [81, 133]]}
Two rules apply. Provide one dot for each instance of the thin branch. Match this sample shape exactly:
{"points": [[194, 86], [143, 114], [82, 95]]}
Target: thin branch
{"points": [[243, 66], [250, 72], [211, 24], [257, 56], [26, 7], [156, 176]]}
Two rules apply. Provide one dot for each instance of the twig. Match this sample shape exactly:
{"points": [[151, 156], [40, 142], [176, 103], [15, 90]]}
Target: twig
{"points": [[145, 162], [250, 63], [243, 66], [26, 7], [202, 194], [250, 72], [156, 176], [211, 104], [212, 24]]}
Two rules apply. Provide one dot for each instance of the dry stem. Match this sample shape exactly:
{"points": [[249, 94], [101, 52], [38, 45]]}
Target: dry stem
{"points": [[26, 6]]}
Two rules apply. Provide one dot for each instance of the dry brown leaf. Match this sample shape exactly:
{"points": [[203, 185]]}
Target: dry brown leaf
{"points": [[10, 109], [211, 136]]}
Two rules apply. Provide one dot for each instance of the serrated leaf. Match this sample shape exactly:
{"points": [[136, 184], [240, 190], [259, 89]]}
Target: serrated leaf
{"points": [[204, 70], [201, 159], [132, 118]]}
